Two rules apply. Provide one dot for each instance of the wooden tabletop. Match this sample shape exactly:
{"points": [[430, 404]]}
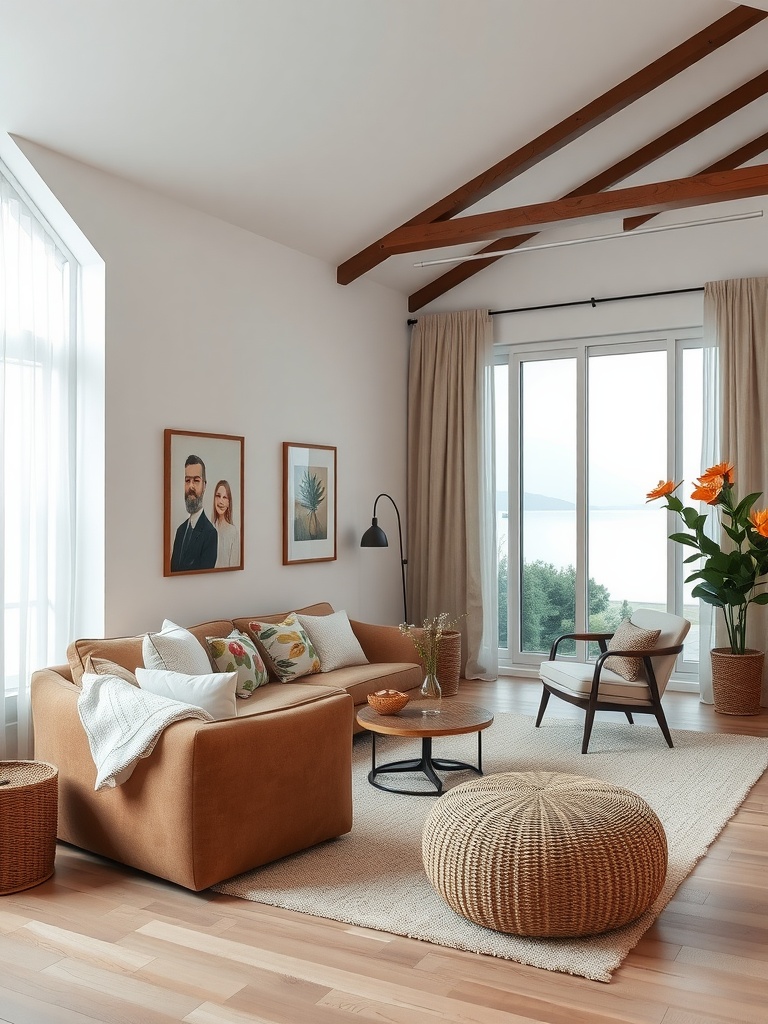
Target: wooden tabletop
{"points": [[452, 719]]}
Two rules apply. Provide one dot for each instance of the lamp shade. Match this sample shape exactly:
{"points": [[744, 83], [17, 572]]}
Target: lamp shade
{"points": [[374, 536]]}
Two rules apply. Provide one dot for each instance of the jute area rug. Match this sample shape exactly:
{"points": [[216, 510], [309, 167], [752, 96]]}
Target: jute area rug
{"points": [[374, 877]]}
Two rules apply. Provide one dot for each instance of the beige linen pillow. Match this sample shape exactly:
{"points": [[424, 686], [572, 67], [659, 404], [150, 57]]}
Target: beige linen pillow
{"points": [[176, 650], [629, 637], [104, 667], [333, 639]]}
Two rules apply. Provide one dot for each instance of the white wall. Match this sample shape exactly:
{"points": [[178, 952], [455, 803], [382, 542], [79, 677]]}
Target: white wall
{"points": [[211, 328]]}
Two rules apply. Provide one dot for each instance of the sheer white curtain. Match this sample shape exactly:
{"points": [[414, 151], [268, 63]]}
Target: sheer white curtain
{"points": [[37, 458], [451, 481]]}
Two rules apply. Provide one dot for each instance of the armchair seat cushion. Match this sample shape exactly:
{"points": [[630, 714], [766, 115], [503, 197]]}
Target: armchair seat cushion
{"points": [[575, 678]]}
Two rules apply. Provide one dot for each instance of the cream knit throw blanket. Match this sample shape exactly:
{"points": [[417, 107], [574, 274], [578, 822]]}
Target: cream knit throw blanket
{"points": [[123, 723]]}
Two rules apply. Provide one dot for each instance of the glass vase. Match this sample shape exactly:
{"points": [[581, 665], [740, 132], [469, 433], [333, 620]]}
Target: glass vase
{"points": [[430, 691]]}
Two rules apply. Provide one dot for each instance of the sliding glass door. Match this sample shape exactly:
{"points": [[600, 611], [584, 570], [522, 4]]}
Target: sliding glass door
{"points": [[587, 428]]}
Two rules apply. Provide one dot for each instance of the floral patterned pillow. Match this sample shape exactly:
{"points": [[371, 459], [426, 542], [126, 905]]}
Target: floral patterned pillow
{"points": [[288, 647], [238, 653]]}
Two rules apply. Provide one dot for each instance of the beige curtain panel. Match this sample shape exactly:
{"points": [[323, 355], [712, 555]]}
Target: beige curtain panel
{"points": [[736, 316], [451, 481]]}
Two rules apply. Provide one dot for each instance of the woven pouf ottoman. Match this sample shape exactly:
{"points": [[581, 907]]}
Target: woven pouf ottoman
{"points": [[545, 854]]}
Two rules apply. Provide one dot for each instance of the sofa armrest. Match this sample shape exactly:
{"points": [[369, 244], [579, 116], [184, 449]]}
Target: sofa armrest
{"points": [[383, 644], [213, 799]]}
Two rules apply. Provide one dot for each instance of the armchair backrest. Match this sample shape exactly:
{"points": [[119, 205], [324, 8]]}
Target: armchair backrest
{"points": [[674, 629]]}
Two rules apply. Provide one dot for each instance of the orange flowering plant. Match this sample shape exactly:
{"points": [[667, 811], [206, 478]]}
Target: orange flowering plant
{"points": [[727, 579]]}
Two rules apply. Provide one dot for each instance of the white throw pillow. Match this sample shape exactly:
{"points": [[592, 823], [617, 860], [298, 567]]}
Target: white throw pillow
{"points": [[214, 692], [175, 649], [333, 639]]}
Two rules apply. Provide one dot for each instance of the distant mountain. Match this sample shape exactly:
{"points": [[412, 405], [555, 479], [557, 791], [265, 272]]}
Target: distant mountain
{"points": [[543, 503], [534, 503]]}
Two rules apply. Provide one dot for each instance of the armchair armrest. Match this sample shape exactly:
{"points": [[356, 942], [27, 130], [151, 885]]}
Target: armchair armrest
{"points": [[647, 656], [600, 638]]}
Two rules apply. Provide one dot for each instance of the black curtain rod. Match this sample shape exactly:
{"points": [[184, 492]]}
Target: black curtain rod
{"points": [[586, 302]]}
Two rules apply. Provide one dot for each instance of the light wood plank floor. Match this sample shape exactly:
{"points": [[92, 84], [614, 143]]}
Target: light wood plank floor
{"points": [[100, 942]]}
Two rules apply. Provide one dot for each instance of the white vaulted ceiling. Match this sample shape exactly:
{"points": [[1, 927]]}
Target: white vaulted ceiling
{"points": [[324, 124]]}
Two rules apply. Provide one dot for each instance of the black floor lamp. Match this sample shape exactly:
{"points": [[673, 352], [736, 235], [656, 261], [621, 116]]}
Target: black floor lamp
{"points": [[374, 537]]}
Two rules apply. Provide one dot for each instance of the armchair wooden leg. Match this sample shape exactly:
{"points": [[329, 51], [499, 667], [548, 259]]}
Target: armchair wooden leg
{"points": [[542, 706], [629, 717], [588, 720], [661, 719]]}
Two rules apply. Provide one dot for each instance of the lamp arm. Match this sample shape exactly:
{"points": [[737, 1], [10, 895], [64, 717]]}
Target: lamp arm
{"points": [[403, 560]]}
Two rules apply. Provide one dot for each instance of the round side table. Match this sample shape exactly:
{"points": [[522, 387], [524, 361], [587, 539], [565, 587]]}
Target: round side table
{"points": [[29, 792]]}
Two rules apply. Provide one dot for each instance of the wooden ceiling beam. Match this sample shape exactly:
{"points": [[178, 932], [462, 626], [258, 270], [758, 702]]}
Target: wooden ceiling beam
{"points": [[727, 163], [658, 147], [675, 194], [694, 49]]}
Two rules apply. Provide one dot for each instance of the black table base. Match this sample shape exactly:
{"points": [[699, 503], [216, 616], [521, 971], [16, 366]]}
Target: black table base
{"points": [[426, 764]]}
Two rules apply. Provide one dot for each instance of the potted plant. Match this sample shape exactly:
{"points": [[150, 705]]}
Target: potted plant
{"points": [[728, 579]]}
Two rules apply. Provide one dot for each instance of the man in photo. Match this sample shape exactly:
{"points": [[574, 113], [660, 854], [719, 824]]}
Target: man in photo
{"points": [[196, 543]]}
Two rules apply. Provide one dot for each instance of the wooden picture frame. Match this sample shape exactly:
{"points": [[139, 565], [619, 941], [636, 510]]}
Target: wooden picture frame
{"points": [[309, 503], [210, 538]]}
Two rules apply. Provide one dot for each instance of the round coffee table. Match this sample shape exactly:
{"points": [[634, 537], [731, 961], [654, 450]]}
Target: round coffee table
{"points": [[452, 719]]}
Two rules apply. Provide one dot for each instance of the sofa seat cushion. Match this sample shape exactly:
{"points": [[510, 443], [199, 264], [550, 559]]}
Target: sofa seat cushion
{"points": [[360, 680], [279, 696], [576, 679]]}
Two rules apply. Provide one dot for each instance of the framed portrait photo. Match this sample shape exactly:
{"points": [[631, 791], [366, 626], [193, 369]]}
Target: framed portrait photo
{"points": [[309, 503], [203, 488]]}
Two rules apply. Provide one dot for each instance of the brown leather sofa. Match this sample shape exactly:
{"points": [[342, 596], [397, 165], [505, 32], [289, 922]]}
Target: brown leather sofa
{"points": [[214, 799]]}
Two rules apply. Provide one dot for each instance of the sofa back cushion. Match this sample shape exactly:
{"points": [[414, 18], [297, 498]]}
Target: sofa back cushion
{"points": [[322, 608], [127, 650]]}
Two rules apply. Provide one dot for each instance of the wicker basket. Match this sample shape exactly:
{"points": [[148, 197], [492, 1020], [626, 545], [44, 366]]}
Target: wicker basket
{"points": [[449, 663], [545, 854], [29, 793], [737, 680], [388, 702]]}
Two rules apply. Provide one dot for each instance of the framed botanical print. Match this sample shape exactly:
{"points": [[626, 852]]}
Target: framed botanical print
{"points": [[203, 522], [309, 503]]}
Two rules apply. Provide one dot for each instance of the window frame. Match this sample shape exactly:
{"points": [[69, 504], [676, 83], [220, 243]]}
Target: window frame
{"points": [[512, 660]]}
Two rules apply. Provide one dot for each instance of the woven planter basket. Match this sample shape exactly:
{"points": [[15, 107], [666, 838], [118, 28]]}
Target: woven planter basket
{"points": [[29, 793], [737, 680], [449, 663], [545, 854]]}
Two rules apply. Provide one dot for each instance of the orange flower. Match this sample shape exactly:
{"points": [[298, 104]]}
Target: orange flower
{"points": [[663, 487], [708, 490], [759, 520], [722, 469]]}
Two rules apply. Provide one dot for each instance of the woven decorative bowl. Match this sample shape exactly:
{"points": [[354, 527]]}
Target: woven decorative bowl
{"points": [[388, 702]]}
